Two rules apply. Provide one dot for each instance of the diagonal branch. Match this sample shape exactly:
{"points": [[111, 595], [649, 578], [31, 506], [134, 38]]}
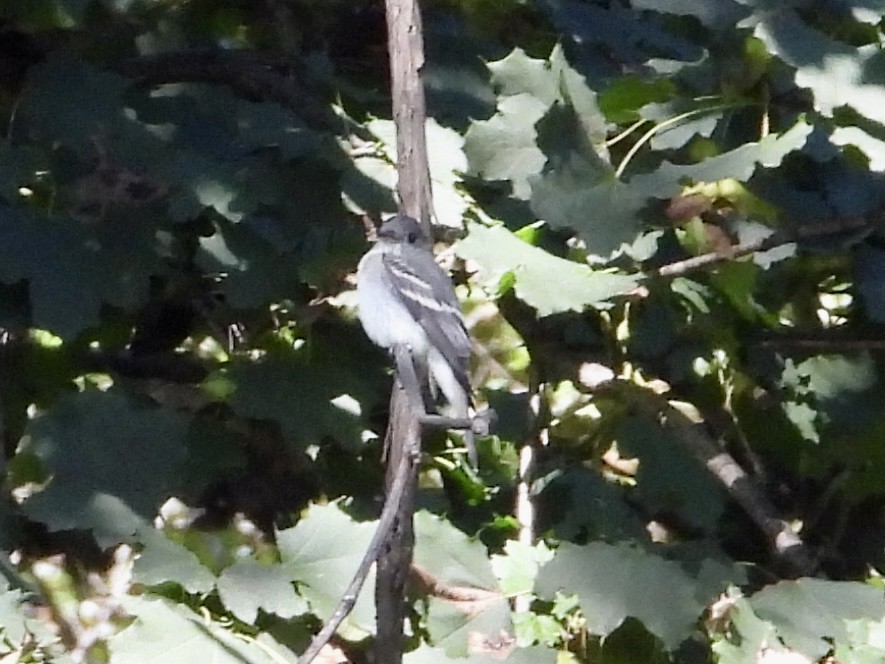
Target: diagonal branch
{"points": [[785, 543], [777, 239], [386, 524]]}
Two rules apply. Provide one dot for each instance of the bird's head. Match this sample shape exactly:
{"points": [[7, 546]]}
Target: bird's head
{"points": [[403, 229]]}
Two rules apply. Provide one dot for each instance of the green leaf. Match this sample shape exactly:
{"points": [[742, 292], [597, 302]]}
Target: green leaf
{"points": [[321, 554], [838, 74], [112, 461], [167, 633], [873, 147], [547, 283], [505, 146], [494, 653], [63, 83], [72, 269], [810, 614], [749, 635], [866, 644], [518, 73], [163, 561], [450, 555], [248, 585], [615, 582], [13, 620], [583, 194], [517, 569], [20, 629], [310, 400], [739, 164], [473, 604], [621, 101], [715, 14], [447, 161]]}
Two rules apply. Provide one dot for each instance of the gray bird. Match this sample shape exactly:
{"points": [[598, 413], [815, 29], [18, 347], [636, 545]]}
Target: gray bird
{"points": [[405, 298]]}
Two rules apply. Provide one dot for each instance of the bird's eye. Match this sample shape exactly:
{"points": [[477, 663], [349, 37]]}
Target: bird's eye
{"points": [[411, 237]]}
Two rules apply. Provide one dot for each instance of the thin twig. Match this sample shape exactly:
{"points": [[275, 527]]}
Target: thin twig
{"points": [[777, 239], [382, 533], [824, 345]]}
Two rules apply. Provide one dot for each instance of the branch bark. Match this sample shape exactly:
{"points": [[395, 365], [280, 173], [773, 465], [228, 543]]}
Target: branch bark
{"points": [[785, 543], [405, 45], [777, 239], [399, 486]]}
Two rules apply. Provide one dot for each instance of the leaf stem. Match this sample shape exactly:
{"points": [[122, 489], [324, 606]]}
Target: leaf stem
{"points": [[666, 124], [624, 134]]}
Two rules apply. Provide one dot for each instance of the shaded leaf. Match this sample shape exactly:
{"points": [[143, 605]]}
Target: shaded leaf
{"points": [[255, 271], [838, 74], [63, 83], [583, 194], [630, 36], [870, 268], [716, 14], [615, 582], [312, 398], [810, 614], [112, 462], [71, 269], [590, 508]]}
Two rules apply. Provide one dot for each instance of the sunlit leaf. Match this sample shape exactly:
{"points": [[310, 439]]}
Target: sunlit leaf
{"points": [[247, 586], [498, 252], [164, 632], [321, 554]]}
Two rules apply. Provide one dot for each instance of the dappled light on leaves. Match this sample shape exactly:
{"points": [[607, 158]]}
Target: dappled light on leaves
{"points": [[663, 222]]}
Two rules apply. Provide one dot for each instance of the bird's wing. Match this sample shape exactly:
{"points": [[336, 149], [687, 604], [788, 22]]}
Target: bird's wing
{"points": [[427, 294]]}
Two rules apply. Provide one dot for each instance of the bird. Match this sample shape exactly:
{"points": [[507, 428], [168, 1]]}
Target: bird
{"points": [[405, 298]]}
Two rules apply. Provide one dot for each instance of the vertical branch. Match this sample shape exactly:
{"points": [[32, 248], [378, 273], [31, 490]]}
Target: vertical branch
{"points": [[405, 46], [403, 439], [395, 560]]}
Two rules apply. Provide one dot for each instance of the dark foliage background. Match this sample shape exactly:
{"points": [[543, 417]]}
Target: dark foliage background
{"points": [[672, 263]]}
